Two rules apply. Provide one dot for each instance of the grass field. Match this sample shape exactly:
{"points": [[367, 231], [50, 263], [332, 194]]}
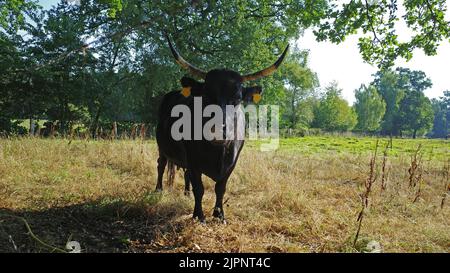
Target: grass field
{"points": [[304, 197]]}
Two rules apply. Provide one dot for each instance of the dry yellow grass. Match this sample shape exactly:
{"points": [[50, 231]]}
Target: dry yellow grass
{"points": [[101, 194]]}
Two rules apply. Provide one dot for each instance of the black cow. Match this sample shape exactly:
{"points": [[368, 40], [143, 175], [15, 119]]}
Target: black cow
{"points": [[216, 158]]}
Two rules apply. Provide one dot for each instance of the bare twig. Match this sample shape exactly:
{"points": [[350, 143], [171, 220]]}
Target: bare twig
{"points": [[33, 236], [415, 167], [12, 242]]}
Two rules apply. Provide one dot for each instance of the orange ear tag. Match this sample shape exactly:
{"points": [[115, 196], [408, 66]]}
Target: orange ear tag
{"points": [[186, 91], [256, 97]]}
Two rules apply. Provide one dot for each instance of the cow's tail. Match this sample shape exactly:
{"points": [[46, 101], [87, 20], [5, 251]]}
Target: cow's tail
{"points": [[170, 174]]}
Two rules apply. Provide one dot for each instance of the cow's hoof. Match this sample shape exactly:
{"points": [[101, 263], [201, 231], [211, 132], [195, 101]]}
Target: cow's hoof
{"points": [[220, 220], [201, 220], [200, 217], [158, 190]]}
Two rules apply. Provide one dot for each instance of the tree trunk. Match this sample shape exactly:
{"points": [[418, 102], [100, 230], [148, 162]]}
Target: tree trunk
{"points": [[293, 118], [414, 133]]}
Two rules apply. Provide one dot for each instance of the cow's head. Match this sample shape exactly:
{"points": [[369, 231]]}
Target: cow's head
{"points": [[221, 86]]}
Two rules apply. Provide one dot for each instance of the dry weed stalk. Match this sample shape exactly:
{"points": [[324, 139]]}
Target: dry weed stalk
{"points": [[415, 167], [365, 196], [133, 131], [420, 181]]}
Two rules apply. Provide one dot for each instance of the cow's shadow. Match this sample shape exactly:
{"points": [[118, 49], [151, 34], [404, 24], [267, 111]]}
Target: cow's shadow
{"points": [[98, 226]]}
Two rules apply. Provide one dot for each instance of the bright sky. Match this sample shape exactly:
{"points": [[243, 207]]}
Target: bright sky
{"points": [[344, 63]]}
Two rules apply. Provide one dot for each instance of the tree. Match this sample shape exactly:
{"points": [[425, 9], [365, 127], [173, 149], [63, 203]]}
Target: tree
{"points": [[394, 86], [72, 59], [386, 84], [416, 113], [370, 109], [412, 80], [335, 20], [299, 85], [333, 112], [441, 121]]}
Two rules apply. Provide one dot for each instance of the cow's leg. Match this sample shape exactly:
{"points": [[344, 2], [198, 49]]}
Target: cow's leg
{"points": [[220, 192], [197, 188], [187, 183], [162, 162]]}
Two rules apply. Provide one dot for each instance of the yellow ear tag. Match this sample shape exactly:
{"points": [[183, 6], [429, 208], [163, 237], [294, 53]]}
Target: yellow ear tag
{"points": [[186, 91], [256, 97]]}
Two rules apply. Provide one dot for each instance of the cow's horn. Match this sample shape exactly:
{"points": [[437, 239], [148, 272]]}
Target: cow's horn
{"points": [[267, 71], [183, 63]]}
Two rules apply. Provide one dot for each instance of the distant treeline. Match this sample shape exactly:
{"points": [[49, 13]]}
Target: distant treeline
{"points": [[81, 69]]}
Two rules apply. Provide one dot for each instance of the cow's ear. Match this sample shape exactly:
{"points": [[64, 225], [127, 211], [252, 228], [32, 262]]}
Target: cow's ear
{"points": [[252, 94], [191, 87]]}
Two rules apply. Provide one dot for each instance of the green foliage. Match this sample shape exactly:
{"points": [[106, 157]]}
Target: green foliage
{"points": [[370, 109], [108, 60], [412, 80], [335, 20], [9, 127], [416, 113], [115, 6], [441, 123], [376, 20], [333, 112], [122, 75], [402, 90], [12, 13], [386, 84], [299, 84]]}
